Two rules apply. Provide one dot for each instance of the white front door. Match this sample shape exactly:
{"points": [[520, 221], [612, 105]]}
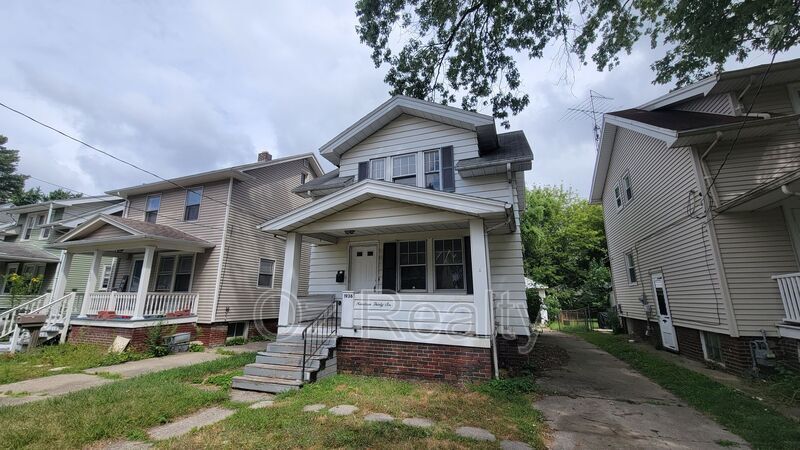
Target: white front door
{"points": [[664, 316], [363, 268]]}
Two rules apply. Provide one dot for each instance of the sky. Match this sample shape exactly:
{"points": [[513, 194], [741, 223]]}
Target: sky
{"points": [[184, 87]]}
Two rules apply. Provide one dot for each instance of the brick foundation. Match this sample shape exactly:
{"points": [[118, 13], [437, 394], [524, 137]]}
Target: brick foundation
{"points": [[735, 351], [210, 335], [513, 355], [412, 360]]}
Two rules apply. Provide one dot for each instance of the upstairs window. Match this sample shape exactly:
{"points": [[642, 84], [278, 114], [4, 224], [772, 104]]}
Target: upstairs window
{"points": [[432, 170], [266, 272], [618, 195], [626, 187], [152, 205], [377, 169], [412, 259], [303, 177], [630, 265], [192, 210], [30, 223], [404, 169], [45, 232]]}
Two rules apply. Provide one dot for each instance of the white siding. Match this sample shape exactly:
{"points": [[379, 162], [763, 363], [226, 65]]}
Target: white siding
{"points": [[713, 104]]}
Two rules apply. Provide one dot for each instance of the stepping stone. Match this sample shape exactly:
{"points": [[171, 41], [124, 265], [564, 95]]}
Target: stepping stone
{"points": [[478, 434], [378, 417], [262, 404], [514, 445], [317, 407], [58, 369], [418, 422], [127, 445], [240, 396], [343, 410], [197, 420]]}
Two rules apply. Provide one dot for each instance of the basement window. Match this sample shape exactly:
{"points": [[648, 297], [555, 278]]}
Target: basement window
{"points": [[712, 349], [237, 329]]}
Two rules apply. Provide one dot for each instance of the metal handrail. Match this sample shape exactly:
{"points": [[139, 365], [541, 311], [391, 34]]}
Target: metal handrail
{"points": [[328, 323]]}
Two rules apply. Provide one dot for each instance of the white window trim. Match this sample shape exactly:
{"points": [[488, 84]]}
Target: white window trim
{"points": [[386, 173], [103, 268], [425, 172], [416, 167], [133, 268], [303, 177], [628, 268], [147, 201], [619, 201], [426, 264], [794, 96], [705, 349], [177, 255], [258, 274], [185, 201], [30, 224], [625, 198], [463, 264]]}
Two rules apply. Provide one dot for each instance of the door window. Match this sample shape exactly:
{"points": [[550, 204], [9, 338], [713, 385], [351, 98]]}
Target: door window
{"points": [[662, 301], [136, 275]]}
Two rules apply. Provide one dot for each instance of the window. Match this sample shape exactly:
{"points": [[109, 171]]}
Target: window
{"points": [[449, 263], [237, 329], [105, 279], [630, 264], [404, 169], [45, 232], [377, 169], [183, 273], [192, 211], [10, 268], [626, 186], [266, 272], [58, 214], [618, 195], [303, 177], [174, 273], [412, 265], [712, 350], [27, 230], [166, 267], [432, 170], [151, 208]]}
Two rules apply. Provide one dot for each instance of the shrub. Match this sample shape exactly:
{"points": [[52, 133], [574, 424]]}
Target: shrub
{"points": [[196, 348], [614, 321], [236, 341], [155, 341]]}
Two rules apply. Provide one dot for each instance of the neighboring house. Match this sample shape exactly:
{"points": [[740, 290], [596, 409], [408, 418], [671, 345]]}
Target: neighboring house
{"points": [[28, 231], [189, 254], [702, 216], [417, 233]]}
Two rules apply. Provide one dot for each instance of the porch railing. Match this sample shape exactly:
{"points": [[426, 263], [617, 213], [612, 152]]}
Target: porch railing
{"points": [[57, 312], [789, 285], [156, 304]]}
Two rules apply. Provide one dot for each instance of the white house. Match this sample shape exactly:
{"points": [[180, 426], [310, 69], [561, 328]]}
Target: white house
{"points": [[415, 247]]}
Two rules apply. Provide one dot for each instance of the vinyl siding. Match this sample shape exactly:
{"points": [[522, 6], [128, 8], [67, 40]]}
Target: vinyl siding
{"points": [[655, 226], [79, 272], [253, 202], [756, 161], [713, 104]]}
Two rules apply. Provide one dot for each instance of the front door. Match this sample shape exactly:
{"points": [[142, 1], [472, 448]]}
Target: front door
{"points": [[664, 316], [136, 275], [363, 268]]}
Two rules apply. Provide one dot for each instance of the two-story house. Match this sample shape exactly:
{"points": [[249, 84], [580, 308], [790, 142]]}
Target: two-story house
{"points": [[416, 257], [700, 190], [189, 254], [27, 231]]}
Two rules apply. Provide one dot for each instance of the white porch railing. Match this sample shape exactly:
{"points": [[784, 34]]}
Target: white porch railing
{"points": [[58, 314], [8, 319], [789, 285], [155, 304]]}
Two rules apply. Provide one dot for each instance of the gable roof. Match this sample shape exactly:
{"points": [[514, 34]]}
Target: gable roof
{"points": [[17, 251], [236, 172], [393, 108]]}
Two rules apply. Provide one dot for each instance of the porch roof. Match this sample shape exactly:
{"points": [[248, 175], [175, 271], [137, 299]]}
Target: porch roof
{"points": [[17, 251], [128, 234], [455, 205]]}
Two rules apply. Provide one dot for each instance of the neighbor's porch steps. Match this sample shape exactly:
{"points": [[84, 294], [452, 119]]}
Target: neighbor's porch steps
{"points": [[279, 368]]}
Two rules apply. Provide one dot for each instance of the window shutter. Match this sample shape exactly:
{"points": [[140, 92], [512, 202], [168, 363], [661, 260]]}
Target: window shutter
{"points": [[389, 267], [468, 265], [363, 170], [448, 171]]}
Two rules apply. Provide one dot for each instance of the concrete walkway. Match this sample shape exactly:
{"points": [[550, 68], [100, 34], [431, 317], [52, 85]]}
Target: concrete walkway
{"points": [[47, 387], [597, 401]]}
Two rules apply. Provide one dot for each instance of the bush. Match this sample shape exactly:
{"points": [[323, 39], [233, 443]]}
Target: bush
{"points": [[236, 341], [155, 341], [197, 348], [614, 321]]}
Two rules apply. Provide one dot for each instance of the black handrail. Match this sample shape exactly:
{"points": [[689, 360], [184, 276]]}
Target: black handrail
{"points": [[325, 325]]}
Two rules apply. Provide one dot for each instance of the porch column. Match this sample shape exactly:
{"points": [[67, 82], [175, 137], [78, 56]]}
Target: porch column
{"points": [[62, 275], [291, 277], [480, 277], [144, 283], [91, 282]]}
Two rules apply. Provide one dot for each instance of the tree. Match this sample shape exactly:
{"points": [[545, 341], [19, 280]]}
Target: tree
{"points": [[63, 194], [564, 246], [469, 49], [11, 183]]}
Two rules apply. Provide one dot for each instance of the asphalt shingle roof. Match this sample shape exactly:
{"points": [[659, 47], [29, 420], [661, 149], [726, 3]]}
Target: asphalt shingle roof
{"points": [[20, 251], [513, 147]]}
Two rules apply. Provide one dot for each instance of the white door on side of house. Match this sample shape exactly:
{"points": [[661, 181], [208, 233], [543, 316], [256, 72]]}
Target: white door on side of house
{"points": [[668, 338], [363, 268]]}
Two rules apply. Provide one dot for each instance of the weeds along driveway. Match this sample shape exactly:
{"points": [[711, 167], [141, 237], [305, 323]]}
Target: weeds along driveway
{"points": [[597, 401]]}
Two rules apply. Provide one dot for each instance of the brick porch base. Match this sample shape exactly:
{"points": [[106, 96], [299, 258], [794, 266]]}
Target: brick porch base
{"points": [[211, 335]]}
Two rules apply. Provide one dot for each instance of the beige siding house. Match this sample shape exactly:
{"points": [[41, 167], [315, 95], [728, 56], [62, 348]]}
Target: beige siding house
{"points": [[702, 216], [415, 253], [189, 253]]}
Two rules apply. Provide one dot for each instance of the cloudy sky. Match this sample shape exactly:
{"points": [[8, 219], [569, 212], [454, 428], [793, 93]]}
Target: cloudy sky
{"points": [[181, 87]]}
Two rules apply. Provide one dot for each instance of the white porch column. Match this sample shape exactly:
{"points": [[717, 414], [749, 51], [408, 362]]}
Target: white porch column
{"points": [[480, 277], [61, 276], [291, 279], [91, 282], [144, 283]]}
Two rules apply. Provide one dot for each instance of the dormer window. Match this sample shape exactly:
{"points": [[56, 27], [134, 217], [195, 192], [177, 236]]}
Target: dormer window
{"points": [[404, 169]]}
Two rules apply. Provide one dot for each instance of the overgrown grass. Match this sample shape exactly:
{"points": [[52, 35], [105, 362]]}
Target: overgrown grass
{"points": [[502, 407], [123, 409], [756, 423], [74, 358]]}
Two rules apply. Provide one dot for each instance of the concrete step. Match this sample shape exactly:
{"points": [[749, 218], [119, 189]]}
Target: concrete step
{"points": [[282, 359], [265, 384], [275, 371], [296, 348]]}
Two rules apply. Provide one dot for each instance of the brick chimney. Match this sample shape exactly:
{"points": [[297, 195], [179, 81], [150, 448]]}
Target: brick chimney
{"points": [[264, 156]]}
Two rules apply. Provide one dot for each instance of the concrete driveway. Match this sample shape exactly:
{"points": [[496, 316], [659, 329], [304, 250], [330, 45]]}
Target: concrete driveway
{"points": [[597, 401]]}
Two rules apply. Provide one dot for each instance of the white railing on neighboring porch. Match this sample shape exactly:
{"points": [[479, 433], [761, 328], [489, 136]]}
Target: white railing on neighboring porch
{"points": [[155, 304], [58, 313], [789, 285]]}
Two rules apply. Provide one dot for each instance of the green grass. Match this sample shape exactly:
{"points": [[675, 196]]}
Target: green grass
{"points": [[756, 423], [119, 410], [27, 365], [502, 407]]}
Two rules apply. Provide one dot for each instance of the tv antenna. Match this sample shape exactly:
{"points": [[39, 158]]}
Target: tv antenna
{"points": [[594, 107]]}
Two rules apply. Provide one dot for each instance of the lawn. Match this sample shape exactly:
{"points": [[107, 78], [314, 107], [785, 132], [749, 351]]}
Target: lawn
{"points": [[502, 407], [756, 423], [70, 358], [119, 410]]}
